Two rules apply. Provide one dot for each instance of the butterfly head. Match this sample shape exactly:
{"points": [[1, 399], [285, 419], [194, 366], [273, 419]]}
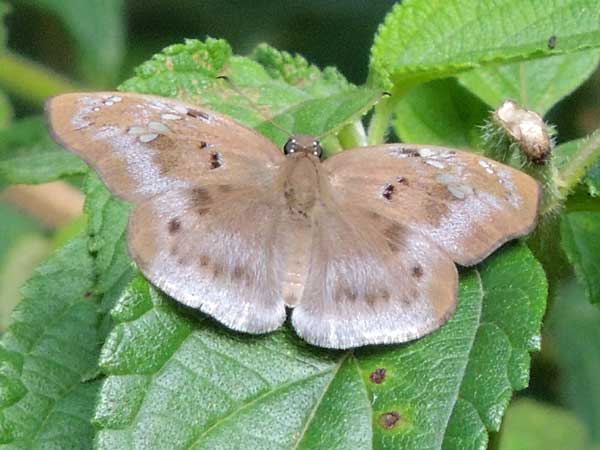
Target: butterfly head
{"points": [[303, 144]]}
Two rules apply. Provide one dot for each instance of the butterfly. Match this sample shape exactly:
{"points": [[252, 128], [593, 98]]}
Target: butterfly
{"points": [[362, 246]]}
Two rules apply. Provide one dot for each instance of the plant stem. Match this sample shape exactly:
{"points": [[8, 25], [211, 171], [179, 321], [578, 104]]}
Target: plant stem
{"points": [[577, 167], [30, 81], [353, 135], [380, 121]]}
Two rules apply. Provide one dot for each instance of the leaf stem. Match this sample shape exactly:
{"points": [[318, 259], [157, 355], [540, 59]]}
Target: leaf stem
{"points": [[29, 80], [380, 121]]}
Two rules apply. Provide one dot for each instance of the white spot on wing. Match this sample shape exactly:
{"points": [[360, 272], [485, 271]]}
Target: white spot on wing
{"points": [[158, 127], [169, 116], [426, 152], [144, 138]]}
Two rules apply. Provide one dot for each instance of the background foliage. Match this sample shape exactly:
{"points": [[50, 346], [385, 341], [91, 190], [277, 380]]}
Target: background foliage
{"points": [[94, 356]]}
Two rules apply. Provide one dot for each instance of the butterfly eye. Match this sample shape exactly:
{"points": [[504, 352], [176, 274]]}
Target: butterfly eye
{"points": [[317, 149], [289, 147]]}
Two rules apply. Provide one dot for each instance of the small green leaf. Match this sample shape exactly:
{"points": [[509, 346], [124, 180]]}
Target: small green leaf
{"points": [[440, 112], [167, 365], [580, 232], [98, 29], [275, 85], [28, 155], [537, 85], [534, 425], [579, 161], [423, 39], [573, 332], [50, 345]]}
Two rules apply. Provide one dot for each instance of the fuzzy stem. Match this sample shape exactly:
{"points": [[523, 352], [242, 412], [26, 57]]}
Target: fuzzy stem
{"points": [[30, 81], [577, 167]]}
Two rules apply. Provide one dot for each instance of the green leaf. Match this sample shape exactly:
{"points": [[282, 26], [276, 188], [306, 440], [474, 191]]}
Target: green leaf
{"points": [[176, 379], [533, 425], [440, 112], [573, 333], [580, 233], [107, 231], [44, 355], [28, 155], [425, 39], [98, 29], [4, 9], [6, 111], [537, 85], [579, 161], [275, 85]]}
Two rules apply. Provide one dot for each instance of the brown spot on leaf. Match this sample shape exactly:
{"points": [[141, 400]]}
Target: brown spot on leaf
{"points": [[174, 225], [389, 419], [378, 375], [197, 114], [387, 192], [417, 271]]}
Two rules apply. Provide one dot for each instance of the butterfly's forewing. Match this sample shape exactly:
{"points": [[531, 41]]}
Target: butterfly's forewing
{"points": [[143, 145], [372, 280], [201, 182], [466, 204]]}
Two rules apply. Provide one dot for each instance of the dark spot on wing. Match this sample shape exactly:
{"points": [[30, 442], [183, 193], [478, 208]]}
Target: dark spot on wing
{"points": [[387, 192], [217, 270], [411, 152], [174, 225], [350, 294], [394, 234], [552, 42], [378, 375], [198, 114], [215, 160], [200, 197], [389, 419], [417, 271], [238, 273]]}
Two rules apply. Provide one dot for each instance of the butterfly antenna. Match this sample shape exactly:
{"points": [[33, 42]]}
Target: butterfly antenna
{"points": [[336, 129], [256, 108]]}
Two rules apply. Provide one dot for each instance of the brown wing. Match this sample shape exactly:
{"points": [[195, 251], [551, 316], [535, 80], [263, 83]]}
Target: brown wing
{"points": [[468, 205], [372, 281], [213, 248], [143, 145]]}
